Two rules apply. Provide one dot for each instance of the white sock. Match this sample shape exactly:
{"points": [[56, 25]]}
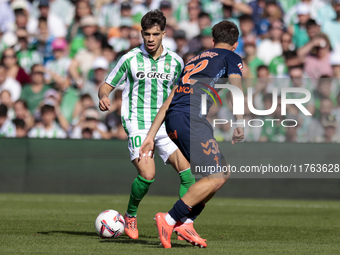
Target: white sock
{"points": [[188, 220], [169, 219]]}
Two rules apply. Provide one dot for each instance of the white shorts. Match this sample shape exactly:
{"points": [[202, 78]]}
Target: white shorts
{"points": [[163, 144]]}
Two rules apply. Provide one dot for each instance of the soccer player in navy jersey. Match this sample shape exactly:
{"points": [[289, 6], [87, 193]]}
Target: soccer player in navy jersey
{"points": [[192, 133]]}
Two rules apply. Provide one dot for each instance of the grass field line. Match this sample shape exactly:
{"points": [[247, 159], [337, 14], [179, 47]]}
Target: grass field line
{"points": [[265, 203]]}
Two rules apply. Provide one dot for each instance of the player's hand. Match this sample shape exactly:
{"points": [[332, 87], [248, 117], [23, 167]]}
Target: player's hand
{"points": [[238, 135], [104, 104], [147, 146]]}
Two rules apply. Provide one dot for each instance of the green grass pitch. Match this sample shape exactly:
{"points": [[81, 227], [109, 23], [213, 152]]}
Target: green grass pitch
{"points": [[64, 224]]}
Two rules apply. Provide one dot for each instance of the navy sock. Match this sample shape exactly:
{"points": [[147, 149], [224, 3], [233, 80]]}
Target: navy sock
{"points": [[196, 210], [179, 210]]}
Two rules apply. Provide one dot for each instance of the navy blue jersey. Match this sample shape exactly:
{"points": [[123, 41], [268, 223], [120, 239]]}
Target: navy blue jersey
{"points": [[200, 75]]}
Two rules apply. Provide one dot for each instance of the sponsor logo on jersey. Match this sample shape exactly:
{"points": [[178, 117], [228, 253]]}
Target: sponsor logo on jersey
{"points": [[140, 75], [240, 66], [153, 75]]}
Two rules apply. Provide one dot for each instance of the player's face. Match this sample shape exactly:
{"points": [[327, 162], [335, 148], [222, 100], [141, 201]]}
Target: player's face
{"points": [[152, 38]]}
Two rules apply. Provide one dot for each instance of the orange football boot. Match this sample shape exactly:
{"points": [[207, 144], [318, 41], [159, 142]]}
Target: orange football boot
{"points": [[164, 230], [131, 227], [187, 232]]}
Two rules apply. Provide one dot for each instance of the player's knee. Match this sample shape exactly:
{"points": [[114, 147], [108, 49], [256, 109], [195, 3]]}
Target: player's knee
{"points": [[219, 181], [148, 176]]}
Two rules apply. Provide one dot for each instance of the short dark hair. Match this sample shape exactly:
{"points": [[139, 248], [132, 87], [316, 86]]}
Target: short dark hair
{"points": [[153, 18], [245, 17], [261, 67], [225, 32], [24, 103], [19, 123], [203, 15], [311, 22], [42, 19], [3, 110], [47, 108]]}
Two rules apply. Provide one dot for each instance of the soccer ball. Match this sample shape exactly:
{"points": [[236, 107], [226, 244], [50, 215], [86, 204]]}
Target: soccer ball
{"points": [[109, 224]]}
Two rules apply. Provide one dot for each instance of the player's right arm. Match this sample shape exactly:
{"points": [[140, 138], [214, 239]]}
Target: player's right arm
{"points": [[103, 94], [148, 144], [114, 79]]}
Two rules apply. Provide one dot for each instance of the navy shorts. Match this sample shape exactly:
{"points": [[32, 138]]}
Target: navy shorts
{"points": [[195, 138]]}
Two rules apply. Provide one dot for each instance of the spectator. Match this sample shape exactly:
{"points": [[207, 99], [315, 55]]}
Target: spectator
{"points": [[20, 128], [323, 90], [43, 40], [49, 128], [88, 26], [299, 80], [106, 19], [251, 59], [315, 128], [313, 29], [111, 55], [165, 6], [292, 130], [33, 94], [57, 69], [299, 30], [119, 37], [22, 18], [272, 12], [251, 134], [27, 57], [181, 43], [5, 99], [330, 135], [319, 11], [10, 61], [134, 39], [273, 131], [84, 59], [247, 33], [316, 54], [277, 66], [330, 26], [83, 9], [63, 9], [6, 17], [90, 119], [21, 112], [84, 102], [113, 120], [7, 128], [262, 86], [100, 67], [191, 26], [271, 47], [56, 26], [195, 44], [206, 39], [8, 83]]}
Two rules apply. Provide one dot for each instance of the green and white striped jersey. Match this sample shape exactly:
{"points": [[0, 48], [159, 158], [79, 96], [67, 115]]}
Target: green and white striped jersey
{"points": [[148, 83]]}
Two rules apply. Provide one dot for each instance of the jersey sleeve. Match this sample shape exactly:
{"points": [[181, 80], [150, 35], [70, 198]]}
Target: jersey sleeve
{"points": [[119, 72], [235, 64]]}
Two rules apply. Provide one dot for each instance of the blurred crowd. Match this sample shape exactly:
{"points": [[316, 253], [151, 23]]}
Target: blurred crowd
{"points": [[56, 53]]}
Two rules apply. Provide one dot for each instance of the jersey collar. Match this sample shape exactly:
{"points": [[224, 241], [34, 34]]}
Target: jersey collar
{"points": [[165, 50]]}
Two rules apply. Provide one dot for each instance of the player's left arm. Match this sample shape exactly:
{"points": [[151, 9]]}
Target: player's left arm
{"points": [[238, 134], [148, 144]]}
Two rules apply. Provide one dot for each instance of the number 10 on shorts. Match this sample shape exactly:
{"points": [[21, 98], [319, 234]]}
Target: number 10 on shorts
{"points": [[136, 141]]}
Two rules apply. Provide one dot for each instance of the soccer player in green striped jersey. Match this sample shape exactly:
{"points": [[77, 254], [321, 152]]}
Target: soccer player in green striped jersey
{"points": [[149, 73]]}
